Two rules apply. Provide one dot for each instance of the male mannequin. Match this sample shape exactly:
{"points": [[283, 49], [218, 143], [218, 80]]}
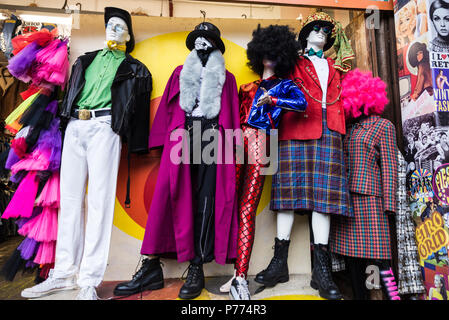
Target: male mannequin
{"points": [[107, 98], [193, 214], [311, 174]]}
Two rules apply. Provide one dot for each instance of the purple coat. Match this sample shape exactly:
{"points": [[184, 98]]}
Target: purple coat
{"points": [[170, 219]]}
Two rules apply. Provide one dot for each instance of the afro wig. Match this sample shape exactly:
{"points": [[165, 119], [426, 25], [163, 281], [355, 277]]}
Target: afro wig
{"points": [[363, 94], [276, 43]]}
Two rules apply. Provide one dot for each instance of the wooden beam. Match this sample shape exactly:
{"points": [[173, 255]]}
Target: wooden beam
{"points": [[341, 4]]}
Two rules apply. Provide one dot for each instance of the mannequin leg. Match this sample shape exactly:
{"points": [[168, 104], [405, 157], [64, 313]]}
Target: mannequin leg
{"points": [[285, 221], [322, 271], [277, 270], [251, 192], [321, 224]]}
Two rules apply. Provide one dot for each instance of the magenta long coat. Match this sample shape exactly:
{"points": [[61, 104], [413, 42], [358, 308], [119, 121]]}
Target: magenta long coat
{"points": [[169, 228]]}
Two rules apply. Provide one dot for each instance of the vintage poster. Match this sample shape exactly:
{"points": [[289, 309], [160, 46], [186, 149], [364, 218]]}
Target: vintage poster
{"points": [[422, 30], [438, 21]]}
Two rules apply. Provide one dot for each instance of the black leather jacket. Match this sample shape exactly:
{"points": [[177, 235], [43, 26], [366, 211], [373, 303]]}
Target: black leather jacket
{"points": [[130, 93]]}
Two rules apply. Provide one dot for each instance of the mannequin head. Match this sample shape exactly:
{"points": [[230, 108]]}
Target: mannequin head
{"points": [[318, 31], [204, 36], [201, 43], [119, 27], [363, 95], [317, 38], [117, 30], [272, 50]]}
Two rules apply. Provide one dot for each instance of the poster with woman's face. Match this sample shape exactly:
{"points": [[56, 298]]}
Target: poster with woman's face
{"points": [[438, 20], [410, 21]]}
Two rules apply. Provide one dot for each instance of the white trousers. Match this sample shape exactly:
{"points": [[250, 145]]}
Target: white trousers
{"points": [[91, 151]]}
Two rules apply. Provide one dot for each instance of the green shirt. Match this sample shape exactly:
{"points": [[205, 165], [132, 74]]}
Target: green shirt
{"points": [[96, 93]]}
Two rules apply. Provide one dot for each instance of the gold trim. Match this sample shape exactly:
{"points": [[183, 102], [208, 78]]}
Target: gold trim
{"points": [[320, 101]]}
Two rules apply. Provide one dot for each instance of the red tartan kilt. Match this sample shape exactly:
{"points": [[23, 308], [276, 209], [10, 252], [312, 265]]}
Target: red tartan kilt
{"points": [[366, 235]]}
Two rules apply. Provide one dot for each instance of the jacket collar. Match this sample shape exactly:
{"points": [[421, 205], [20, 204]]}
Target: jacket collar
{"points": [[310, 69], [207, 90], [118, 54], [124, 70], [368, 121]]}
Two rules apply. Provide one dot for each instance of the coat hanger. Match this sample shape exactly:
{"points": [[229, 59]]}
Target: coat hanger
{"points": [[203, 12]]}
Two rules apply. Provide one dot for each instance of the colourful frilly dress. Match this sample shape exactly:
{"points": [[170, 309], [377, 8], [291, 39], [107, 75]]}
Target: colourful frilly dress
{"points": [[34, 156]]}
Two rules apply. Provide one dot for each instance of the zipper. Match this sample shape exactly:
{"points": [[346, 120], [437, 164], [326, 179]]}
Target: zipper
{"points": [[202, 229], [208, 225]]}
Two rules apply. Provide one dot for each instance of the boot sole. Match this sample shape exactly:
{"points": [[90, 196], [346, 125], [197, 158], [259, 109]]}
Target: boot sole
{"points": [[315, 286], [47, 293], [152, 286], [272, 284]]}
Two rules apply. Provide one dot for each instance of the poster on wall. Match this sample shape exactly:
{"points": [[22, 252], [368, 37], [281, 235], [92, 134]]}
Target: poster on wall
{"points": [[422, 31], [438, 20], [415, 77]]}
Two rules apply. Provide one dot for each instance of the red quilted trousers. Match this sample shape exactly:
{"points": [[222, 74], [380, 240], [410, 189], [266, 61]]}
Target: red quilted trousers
{"points": [[249, 187]]}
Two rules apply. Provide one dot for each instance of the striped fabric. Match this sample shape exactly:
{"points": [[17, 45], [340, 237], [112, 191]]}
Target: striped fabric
{"points": [[311, 175]]}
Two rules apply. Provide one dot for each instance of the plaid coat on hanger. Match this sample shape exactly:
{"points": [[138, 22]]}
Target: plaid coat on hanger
{"points": [[372, 164]]}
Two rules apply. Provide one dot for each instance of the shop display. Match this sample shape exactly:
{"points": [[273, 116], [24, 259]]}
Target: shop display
{"points": [[34, 155], [107, 99], [425, 122], [371, 159], [272, 53], [193, 215], [311, 175]]}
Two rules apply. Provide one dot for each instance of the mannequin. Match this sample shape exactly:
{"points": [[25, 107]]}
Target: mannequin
{"points": [[193, 214], [100, 109], [271, 53], [310, 153], [371, 154]]}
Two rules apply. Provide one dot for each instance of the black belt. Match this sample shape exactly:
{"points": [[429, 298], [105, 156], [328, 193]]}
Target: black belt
{"points": [[88, 114]]}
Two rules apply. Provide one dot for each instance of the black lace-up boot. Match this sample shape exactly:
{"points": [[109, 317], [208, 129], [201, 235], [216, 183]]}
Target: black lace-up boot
{"points": [[277, 270], [322, 275], [148, 277], [194, 282]]}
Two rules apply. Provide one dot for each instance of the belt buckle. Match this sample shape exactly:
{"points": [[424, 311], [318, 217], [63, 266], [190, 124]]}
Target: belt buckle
{"points": [[84, 114]]}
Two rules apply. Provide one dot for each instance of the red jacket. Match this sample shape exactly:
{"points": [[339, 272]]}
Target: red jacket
{"points": [[308, 125]]}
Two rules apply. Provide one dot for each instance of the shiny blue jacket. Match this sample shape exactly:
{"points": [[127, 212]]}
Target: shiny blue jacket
{"points": [[286, 95]]}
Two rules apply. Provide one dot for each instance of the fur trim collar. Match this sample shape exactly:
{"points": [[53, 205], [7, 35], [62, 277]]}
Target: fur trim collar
{"points": [[209, 89]]}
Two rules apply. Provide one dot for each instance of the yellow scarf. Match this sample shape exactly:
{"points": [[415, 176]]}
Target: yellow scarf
{"points": [[113, 45]]}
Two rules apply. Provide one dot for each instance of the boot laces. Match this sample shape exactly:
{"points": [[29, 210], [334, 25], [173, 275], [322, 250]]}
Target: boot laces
{"points": [[193, 273]]}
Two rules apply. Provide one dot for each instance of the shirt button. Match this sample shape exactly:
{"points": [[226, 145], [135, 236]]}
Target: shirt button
{"points": [[306, 116]]}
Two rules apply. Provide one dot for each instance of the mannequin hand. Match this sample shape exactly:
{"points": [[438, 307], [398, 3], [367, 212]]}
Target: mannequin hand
{"points": [[264, 99]]}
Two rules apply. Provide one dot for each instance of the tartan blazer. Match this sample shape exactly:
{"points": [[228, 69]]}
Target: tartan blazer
{"points": [[371, 158]]}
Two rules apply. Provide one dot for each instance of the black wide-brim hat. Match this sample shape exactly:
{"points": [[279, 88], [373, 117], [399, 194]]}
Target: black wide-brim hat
{"points": [[323, 19], [208, 31], [413, 53], [110, 12]]}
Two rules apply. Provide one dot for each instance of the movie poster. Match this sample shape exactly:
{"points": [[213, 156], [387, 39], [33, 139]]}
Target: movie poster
{"points": [[422, 31]]}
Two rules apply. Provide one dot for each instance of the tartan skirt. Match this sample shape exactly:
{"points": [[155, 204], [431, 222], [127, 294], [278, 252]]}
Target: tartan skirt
{"points": [[311, 175], [366, 235]]}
